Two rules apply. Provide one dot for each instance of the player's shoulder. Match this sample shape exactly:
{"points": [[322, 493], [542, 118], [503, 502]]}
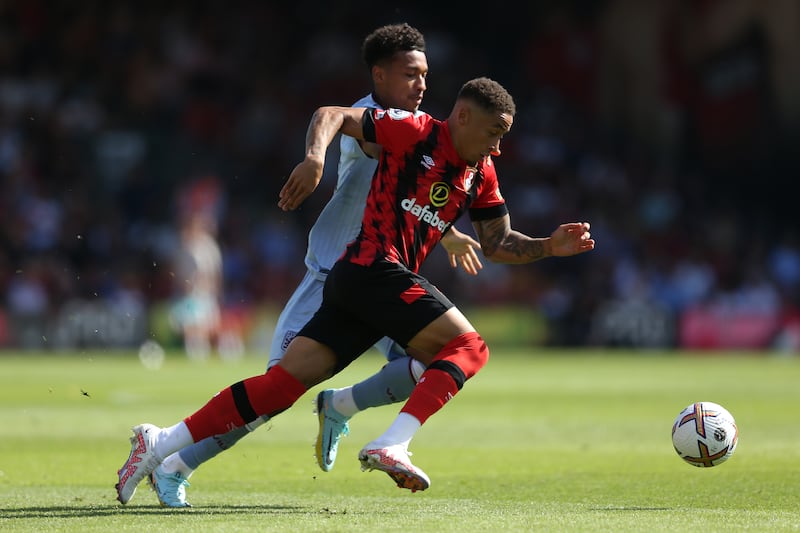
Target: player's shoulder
{"points": [[350, 147], [369, 101], [419, 118], [366, 101], [393, 113]]}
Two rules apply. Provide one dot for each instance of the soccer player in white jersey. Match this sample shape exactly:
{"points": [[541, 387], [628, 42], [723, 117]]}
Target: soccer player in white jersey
{"points": [[395, 55]]}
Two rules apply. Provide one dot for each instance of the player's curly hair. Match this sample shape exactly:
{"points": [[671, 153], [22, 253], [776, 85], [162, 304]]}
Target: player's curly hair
{"points": [[383, 43], [489, 95]]}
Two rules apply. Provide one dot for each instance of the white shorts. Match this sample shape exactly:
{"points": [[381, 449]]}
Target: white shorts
{"points": [[304, 302]]}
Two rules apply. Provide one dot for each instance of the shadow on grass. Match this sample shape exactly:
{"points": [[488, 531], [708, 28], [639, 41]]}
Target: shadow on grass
{"points": [[88, 511], [632, 508]]}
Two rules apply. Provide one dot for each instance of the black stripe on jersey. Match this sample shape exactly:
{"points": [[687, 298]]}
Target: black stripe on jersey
{"points": [[477, 182], [487, 213], [407, 179], [368, 125]]}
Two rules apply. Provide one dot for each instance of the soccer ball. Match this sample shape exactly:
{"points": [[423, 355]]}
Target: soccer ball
{"points": [[705, 434]]}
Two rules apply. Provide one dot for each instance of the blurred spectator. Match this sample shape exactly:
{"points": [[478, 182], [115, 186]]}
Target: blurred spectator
{"points": [[636, 93], [198, 280], [671, 126], [198, 274]]}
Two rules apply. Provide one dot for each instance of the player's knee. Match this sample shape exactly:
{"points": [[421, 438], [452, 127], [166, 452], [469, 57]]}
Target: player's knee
{"points": [[452, 369], [463, 357], [473, 354]]}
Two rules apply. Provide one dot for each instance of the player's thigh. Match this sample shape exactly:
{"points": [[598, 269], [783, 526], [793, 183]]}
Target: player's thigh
{"points": [[340, 332], [433, 337], [302, 305], [398, 303], [309, 361]]}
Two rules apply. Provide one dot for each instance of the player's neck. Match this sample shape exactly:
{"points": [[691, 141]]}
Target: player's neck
{"points": [[379, 100]]}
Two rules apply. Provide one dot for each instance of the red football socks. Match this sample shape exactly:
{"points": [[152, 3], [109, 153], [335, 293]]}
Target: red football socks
{"points": [[457, 361], [435, 388], [243, 402]]}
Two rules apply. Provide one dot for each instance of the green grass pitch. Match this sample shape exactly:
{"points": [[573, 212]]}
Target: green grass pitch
{"points": [[538, 441]]}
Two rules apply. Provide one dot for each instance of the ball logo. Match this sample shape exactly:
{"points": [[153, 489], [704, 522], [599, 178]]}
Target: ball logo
{"points": [[439, 194]]}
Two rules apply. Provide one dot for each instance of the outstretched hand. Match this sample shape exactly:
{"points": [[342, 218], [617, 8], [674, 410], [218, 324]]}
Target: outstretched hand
{"points": [[301, 183], [462, 249], [571, 239]]}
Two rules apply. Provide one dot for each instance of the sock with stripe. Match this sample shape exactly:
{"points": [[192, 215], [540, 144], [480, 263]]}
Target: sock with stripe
{"points": [[243, 402]]}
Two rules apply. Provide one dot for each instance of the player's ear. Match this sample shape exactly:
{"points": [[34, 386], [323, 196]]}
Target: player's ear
{"points": [[378, 74], [468, 114], [464, 114]]}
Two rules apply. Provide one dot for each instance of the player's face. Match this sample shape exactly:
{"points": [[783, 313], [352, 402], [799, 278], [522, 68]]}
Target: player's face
{"points": [[482, 133], [401, 83]]}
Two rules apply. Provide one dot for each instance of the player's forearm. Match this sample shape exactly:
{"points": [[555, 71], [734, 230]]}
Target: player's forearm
{"points": [[516, 248], [501, 244], [324, 125]]}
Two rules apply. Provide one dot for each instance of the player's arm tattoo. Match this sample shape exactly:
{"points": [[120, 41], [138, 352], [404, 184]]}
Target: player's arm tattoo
{"points": [[501, 244]]}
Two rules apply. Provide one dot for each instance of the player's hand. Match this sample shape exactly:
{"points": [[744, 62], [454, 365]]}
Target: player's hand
{"points": [[570, 239], [462, 249], [301, 183]]}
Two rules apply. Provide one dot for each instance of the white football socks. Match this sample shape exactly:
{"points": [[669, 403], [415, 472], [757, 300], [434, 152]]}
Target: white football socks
{"points": [[172, 439], [401, 431], [343, 401], [174, 463]]}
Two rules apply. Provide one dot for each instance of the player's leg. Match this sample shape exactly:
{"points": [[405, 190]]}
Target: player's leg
{"points": [[392, 383], [388, 298], [454, 361], [422, 318], [170, 479], [307, 363], [330, 341]]}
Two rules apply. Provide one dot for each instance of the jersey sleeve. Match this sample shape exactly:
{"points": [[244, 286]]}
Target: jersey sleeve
{"points": [[394, 129], [368, 126], [489, 203]]}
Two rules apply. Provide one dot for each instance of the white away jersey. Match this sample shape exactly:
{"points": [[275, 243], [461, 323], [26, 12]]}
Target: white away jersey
{"points": [[340, 219]]}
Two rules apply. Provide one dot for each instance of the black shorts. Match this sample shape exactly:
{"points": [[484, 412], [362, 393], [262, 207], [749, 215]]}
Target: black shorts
{"points": [[360, 305]]}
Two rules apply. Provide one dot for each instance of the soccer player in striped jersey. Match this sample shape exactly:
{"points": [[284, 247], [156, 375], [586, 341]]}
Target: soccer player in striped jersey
{"points": [[395, 55], [430, 172]]}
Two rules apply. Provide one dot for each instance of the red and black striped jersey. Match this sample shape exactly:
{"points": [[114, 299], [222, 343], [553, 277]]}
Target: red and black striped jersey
{"points": [[421, 187]]}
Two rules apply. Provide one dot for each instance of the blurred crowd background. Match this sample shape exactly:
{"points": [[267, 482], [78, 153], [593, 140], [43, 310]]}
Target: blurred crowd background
{"points": [[672, 126]]}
